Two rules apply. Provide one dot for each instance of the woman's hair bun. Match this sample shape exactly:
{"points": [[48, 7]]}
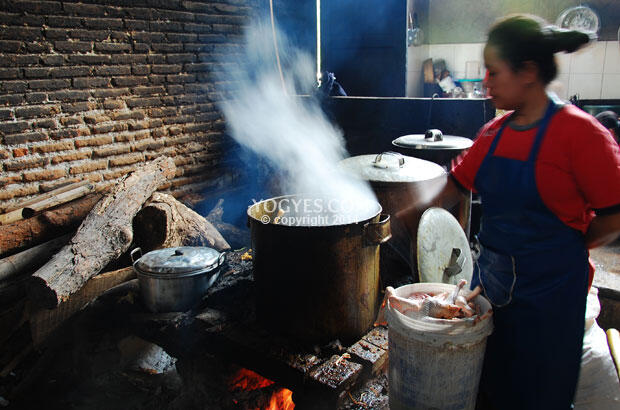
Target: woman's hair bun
{"points": [[559, 39]]}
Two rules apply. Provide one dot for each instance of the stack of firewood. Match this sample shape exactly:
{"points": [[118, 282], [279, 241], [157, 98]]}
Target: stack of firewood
{"points": [[55, 249]]}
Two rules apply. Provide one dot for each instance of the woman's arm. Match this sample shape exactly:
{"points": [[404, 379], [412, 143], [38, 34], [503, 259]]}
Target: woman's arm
{"points": [[602, 230], [448, 197]]}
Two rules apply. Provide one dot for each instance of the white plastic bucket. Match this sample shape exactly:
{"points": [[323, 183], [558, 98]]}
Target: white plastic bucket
{"points": [[435, 363]]}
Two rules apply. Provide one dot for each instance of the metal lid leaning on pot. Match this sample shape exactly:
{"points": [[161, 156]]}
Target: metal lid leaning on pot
{"points": [[433, 139], [392, 167], [182, 260], [442, 249]]}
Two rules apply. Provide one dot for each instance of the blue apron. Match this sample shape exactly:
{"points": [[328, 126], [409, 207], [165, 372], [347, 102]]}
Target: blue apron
{"points": [[534, 270]]}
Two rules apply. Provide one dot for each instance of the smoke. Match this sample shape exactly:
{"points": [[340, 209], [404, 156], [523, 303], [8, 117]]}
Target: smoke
{"points": [[279, 118]]}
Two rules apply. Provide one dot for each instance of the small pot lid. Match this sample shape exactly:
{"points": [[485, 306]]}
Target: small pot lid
{"points": [[433, 139], [443, 250], [392, 167], [182, 259]]}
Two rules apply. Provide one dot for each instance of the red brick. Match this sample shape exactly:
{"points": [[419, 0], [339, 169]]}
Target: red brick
{"points": [[24, 138], [127, 115], [59, 146], [71, 121], [16, 191], [138, 125], [71, 108], [4, 154], [47, 123], [26, 164], [10, 179], [88, 166], [95, 141], [20, 152], [95, 177], [73, 156], [158, 133], [147, 144], [111, 150], [37, 111], [112, 104], [96, 119], [73, 46], [44, 175], [117, 172], [69, 133], [127, 159]]}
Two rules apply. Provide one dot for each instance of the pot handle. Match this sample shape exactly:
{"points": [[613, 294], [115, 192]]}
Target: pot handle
{"points": [[377, 162], [457, 261], [133, 253], [433, 135], [221, 259], [376, 233]]}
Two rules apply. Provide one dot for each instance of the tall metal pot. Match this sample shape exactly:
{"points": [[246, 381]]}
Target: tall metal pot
{"points": [[316, 279], [401, 182]]}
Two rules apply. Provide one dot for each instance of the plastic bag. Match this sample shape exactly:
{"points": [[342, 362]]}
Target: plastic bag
{"points": [[598, 386]]}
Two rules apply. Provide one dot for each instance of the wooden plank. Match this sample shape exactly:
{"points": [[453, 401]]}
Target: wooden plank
{"points": [[48, 225], [44, 321]]}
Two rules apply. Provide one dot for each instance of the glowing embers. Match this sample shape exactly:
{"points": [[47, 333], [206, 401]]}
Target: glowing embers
{"points": [[252, 391]]}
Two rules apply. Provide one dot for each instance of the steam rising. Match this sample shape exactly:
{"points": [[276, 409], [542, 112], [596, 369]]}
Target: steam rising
{"points": [[266, 113]]}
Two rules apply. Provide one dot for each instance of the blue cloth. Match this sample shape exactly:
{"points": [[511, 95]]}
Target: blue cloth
{"points": [[534, 269]]}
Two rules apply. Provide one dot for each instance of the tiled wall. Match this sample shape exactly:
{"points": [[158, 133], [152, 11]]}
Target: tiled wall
{"points": [[592, 73]]}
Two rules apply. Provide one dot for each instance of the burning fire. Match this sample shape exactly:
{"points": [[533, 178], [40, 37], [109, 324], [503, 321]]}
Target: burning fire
{"points": [[247, 380]]}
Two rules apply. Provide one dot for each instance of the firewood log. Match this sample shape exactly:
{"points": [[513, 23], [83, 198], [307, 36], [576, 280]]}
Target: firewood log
{"points": [[103, 236], [59, 199], [44, 321], [234, 235], [30, 259], [45, 226], [44, 201], [164, 222]]}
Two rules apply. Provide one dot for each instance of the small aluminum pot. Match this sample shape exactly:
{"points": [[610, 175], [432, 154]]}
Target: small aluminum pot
{"points": [[176, 279]]}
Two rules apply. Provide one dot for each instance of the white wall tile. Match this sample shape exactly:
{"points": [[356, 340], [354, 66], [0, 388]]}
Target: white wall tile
{"points": [[589, 60], [612, 58], [560, 86], [414, 84], [587, 86], [563, 60], [467, 52], [444, 51], [611, 86]]}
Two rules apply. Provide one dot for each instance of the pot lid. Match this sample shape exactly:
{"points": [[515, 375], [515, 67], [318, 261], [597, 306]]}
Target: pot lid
{"points": [[182, 259], [443, 250], [433, 139], [392, 167]]}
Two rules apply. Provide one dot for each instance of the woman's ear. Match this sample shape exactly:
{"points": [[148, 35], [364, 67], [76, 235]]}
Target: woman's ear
{"points": [[529, 72]]}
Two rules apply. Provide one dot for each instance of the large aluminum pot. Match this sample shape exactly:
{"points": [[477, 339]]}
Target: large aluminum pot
{"points": [[176, 279], [316, 268], [401, 182]]}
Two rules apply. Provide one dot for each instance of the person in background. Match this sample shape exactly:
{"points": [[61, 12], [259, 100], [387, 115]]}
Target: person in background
{"points": [[609, 119], [548, 175]]}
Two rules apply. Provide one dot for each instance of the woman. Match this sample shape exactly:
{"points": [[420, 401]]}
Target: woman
{"points": [[549, 180]]}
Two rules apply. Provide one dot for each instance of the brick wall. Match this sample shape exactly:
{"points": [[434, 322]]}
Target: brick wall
{"points": [[93, 89]]}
